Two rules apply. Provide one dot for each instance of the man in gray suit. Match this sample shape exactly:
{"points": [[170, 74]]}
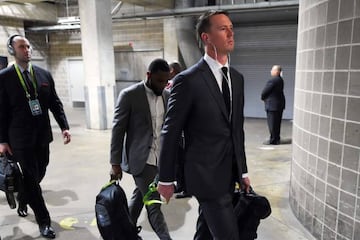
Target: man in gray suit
{"points": [[206, 104], [135, 142]]}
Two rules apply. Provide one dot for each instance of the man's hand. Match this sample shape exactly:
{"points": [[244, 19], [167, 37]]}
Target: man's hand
{"points": [[245, 184], [5, 148], [66, 136], [116, 172], [166, 191]]}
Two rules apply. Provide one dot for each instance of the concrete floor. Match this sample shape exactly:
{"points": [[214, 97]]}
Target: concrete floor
{"points": [[77, 172]]}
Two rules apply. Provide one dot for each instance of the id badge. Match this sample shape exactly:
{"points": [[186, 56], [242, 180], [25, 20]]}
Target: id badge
{"points": [[35, 107]]}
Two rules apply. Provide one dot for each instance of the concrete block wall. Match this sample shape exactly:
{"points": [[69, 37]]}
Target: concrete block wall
{"points": [[63, 46], [325, 174], [9, 27], [142, 34]]}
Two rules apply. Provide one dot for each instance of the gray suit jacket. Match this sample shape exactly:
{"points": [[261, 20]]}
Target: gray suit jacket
{"points": [[212, 141], [132, 131]]}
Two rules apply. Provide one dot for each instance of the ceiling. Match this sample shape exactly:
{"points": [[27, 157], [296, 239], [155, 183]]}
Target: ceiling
{"points": [[154, 3], [20, 1], [145, 3], [143, 9]]}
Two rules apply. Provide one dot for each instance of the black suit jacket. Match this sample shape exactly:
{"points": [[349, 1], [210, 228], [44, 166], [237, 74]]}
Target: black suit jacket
{"points": [[273, 94], [196, 106], [17, 125]]}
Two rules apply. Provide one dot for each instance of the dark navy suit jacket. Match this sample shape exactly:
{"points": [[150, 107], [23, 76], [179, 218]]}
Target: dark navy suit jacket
{"points": [[273, 94], [197, 108]]}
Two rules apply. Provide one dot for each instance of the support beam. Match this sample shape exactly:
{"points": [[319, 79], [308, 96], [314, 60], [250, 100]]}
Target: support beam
{"points": [[98, 55]]}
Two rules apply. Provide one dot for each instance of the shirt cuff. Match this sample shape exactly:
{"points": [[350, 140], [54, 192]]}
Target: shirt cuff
{"points": [[166, 183], [245, 175]]}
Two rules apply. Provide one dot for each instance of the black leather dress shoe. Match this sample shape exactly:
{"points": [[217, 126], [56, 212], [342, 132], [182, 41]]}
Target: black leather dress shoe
{"points": [[47, 231], [22, 210], [268, 142]]}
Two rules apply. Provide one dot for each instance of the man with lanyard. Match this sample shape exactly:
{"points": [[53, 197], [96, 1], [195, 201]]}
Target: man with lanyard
{"points": [[27, 93]]}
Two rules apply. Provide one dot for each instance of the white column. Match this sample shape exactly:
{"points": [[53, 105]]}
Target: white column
{"points": [[98, 56], [171, 48]]}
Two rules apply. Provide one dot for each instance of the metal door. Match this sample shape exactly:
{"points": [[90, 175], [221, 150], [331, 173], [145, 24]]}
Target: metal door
{"points": [[76, 81]]}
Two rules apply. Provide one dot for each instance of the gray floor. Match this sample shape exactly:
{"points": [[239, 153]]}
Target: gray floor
{"points": [[77, 172]]}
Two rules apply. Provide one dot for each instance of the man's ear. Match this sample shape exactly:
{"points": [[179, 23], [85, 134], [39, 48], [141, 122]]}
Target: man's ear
{"points": [[148, 75], [205, 38]]}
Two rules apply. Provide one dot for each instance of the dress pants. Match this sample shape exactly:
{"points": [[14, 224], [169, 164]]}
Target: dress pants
{"points": [[33, 162], [274, 124], [217, 220], [155, 216]]}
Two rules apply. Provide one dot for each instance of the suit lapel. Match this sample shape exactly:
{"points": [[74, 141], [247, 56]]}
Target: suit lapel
{"points": [[38, 78], [234, 88], [213, 86], [237, 87], [165, 97], [144, 102]]}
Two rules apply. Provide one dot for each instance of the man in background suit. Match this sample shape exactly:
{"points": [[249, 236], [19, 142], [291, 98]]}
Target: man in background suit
{"points": [[175, 68], [206, 103], [27, 93], [273, 96], [135, 142]]}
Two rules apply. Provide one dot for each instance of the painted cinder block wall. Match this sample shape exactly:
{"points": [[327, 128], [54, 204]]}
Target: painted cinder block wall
{"points": [[324, 188]]}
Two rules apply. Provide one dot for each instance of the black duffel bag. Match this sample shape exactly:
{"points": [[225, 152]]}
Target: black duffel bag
{"points": [[10, 179], [249, 209]]}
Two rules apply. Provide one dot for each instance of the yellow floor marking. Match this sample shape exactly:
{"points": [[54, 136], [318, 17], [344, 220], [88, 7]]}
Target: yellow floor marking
{"points": [[67, 223]]}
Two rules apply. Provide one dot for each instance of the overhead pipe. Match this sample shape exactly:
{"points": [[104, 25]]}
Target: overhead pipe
{"points": [[116, 9]]}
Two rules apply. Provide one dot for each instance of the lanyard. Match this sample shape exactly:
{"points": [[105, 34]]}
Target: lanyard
{"points": [[152, 188], [23, 82]]}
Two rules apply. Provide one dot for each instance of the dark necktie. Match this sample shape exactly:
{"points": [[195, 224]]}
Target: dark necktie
{"points": [[29, 83], [225, 88]]}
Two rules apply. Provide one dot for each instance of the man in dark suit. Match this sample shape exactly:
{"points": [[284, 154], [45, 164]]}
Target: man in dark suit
{"points": [[27, 93], [273, 96], [206, 103], [135, 142]]}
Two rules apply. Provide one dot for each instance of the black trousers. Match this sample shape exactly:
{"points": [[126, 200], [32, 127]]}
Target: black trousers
{"points": [[155, 216], [274, 124], [33, 163], [217, 220]]}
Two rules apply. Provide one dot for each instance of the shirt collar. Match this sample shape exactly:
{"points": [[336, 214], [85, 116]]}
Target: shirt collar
{"points": [[22, 69], [213, 64], [149, 90]]}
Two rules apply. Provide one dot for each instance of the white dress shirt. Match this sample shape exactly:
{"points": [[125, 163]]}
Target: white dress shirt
{"points": [[156, 106], [215, 67]]}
